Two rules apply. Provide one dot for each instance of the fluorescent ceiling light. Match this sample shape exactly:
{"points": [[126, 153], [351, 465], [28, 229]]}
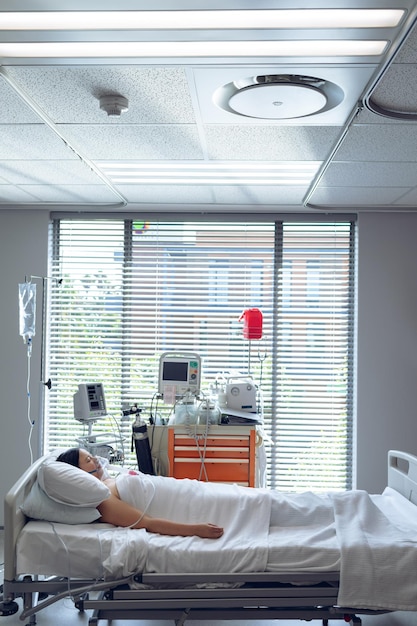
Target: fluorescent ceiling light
{"points": [[213, 181], [124, 49], [289, 174], [276, 166], [183, 20]]}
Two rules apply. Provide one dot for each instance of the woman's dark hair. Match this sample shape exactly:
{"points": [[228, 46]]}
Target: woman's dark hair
{"points": [[70, 456]]}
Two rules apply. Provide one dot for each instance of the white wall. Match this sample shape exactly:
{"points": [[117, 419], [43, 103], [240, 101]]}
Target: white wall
{"points": [[23, 252], [387, 341]]}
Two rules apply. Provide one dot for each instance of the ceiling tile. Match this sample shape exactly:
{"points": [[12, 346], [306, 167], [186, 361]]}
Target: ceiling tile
{"points": [[46, 172], [156, 95], [398, 90], [111, 142], [31, 141], [258, 195], [380, 142], [265, 143], [13, 110], [72, 193], [362, 197], [9, 193], [370, 174], [154, 194], [409, 198]]}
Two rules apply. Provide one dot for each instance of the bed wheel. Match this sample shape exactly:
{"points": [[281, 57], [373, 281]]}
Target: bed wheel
{"points": [[8, 608]]}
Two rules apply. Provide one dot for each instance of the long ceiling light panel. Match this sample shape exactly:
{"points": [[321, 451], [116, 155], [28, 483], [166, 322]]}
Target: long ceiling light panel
{"points": [[129, 173], [184, 20], [158, 49], [140, 34]]}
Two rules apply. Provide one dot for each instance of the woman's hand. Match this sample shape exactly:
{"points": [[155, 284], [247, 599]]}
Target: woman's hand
{"points": [[208, 531]]}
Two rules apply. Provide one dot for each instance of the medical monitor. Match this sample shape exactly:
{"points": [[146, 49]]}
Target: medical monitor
{"points": [[179, 373], [89, 402]]}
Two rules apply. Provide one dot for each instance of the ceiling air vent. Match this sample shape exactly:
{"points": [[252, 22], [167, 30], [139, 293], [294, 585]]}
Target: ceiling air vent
{"points": [[278, 96]]}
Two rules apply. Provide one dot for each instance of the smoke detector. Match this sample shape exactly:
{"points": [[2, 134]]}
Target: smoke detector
{"points": [[114, 105], [278, 96]]}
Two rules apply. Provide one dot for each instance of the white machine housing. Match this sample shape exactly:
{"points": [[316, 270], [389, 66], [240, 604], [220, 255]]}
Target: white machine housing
{"points": [[241, 395], [89, 402], [179, 373]]}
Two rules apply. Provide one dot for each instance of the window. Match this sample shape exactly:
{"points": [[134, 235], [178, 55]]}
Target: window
{"points": [[129, 290]]}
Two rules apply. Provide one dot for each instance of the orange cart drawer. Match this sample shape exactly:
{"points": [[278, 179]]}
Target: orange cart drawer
{"points": [[215, 472], [218, 458]]}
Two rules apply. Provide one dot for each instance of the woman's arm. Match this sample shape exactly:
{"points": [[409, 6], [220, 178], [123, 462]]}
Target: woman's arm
{"points": [[119, 513]]}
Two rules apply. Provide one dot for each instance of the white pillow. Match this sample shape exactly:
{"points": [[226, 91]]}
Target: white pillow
{"points": [[67, 484], [39, 506]]}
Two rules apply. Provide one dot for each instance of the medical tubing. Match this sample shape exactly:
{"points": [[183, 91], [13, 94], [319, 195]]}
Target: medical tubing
{"points": [[67, 555], [68, 577], [31, 422], [148, 504]]}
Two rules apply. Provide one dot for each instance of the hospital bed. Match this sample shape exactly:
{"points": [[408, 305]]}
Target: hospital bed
{"points": [[95, 565]]}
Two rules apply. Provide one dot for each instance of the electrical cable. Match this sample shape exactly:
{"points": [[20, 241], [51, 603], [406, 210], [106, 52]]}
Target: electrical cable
{"points": [[202, 455], [192, 433], [120, 437]]}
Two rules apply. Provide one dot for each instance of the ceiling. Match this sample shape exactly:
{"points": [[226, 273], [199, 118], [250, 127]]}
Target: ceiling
{"points": [[271, 131]]}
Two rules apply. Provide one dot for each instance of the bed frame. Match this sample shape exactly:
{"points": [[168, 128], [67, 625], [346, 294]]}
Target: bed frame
{"points": [[261, 595]]}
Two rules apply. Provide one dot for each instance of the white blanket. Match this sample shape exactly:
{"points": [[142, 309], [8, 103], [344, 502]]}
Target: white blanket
{"points": [[378, 556], [244, 514]]}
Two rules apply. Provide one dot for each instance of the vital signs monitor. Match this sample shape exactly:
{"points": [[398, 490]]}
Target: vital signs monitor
{"points": [[179, 373], [89, 402]]}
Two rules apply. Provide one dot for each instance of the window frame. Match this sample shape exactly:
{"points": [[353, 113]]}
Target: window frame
{"points": [[280, 222]]}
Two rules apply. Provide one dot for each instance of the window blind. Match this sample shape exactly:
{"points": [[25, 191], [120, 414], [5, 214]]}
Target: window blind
{"points": [[127, 290]]}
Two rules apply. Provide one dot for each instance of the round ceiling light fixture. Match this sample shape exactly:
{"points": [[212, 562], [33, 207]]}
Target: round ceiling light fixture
{"points": [[278, 96], [114, 105]]}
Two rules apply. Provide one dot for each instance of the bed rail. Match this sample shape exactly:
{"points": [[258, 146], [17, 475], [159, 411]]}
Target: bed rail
{"points": [[402, 474]]}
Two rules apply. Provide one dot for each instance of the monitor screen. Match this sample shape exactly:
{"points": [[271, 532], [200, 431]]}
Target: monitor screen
{"points": [[174, 371]]}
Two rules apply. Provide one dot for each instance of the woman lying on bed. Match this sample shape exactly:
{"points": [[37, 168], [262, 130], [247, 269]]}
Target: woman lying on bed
{"points": [[115, 511], [170, 506]]}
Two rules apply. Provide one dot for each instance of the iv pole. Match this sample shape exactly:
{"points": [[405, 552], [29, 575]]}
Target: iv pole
{"points": [[42, 382]]}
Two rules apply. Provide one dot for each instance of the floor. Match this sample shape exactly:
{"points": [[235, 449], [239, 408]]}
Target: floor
{"points": [[64, 613]]}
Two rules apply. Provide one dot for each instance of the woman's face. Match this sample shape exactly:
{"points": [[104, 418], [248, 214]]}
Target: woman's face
{"points": [[90, 464]]}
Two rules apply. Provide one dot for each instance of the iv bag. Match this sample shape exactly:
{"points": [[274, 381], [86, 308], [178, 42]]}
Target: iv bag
{"points": [[27, 310]]}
